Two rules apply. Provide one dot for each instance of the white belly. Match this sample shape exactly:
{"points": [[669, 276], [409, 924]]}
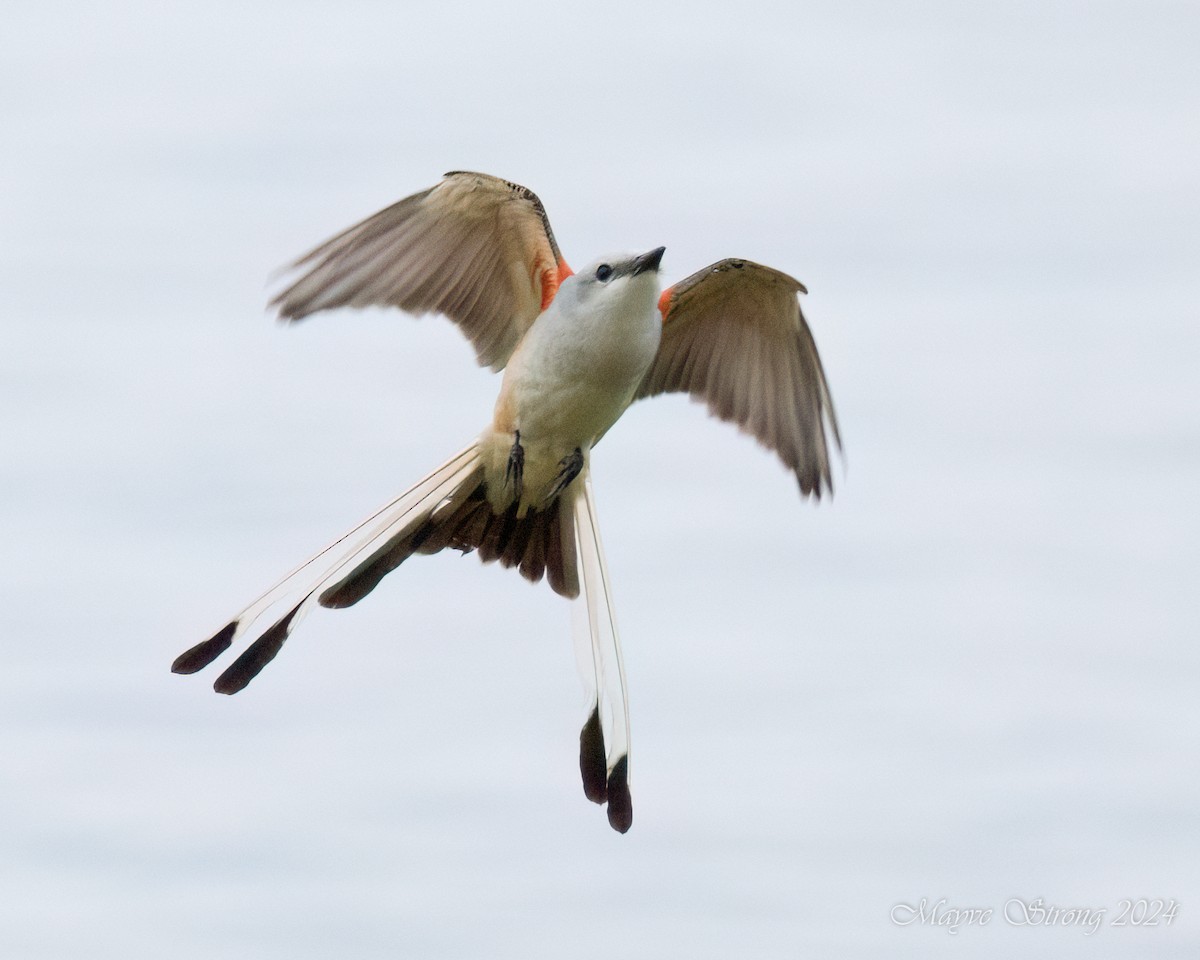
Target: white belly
{"points": [[570, 379]]}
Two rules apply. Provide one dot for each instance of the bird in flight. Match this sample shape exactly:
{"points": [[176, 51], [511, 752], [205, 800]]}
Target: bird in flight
{"points": [[576, 350]]}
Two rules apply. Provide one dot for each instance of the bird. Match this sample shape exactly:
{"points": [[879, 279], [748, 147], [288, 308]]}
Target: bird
{"points": [[576, 350]]}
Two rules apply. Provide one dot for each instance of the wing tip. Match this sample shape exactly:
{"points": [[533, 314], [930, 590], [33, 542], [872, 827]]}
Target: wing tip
{"points": [[815, 484], [285, 312]]}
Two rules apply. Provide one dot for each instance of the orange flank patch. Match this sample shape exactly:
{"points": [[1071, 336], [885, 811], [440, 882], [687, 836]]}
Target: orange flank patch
{"points": [[664, 302], [552, 280]]}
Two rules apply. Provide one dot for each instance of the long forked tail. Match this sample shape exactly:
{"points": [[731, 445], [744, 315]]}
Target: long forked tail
{"points": [[604, 740], [449, 508]]}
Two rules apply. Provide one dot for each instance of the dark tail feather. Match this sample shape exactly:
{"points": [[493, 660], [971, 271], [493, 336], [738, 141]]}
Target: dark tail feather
{"points": [[620, 804], [202, 654], [533, 544], [405, 514], [256, 656], [449, 508], [592, 763]]}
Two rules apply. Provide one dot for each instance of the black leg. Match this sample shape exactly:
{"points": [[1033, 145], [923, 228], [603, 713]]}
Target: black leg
{"points": [[568, 469], [514, 472]]}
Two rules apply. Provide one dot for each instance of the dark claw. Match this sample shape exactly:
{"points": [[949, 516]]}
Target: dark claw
{"points": [[568, 470], [514, 472]]}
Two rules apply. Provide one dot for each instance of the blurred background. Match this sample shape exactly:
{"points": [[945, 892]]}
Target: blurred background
{"points": [[971, 675]]}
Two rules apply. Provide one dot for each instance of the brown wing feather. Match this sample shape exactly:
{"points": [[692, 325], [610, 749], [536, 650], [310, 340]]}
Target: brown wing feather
{"points": [[734, 337], [475, 248]]}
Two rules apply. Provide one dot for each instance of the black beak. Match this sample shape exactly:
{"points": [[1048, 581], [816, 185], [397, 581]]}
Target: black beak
{"points": [[648, 261]]}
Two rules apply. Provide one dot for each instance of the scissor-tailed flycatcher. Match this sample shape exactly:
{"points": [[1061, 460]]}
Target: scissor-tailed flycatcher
{"points": [[576, 349]]}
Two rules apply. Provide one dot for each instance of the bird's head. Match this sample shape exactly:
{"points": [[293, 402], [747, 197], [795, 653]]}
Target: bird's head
{"points": [[621, 284]]}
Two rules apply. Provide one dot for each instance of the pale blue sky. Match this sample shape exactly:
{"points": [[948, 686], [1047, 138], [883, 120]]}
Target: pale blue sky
{"points": [[973, 674]]}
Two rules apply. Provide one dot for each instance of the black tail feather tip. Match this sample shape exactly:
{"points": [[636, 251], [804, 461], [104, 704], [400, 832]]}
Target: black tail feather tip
{"points": [[620, 803], [591, 759], [202, 654], [256, 656]]}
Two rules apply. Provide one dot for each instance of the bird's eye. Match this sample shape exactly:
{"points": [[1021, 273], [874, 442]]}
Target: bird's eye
{"points": [[603, 272]]}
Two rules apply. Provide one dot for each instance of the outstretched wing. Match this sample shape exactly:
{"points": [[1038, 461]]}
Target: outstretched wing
{"points": [[733, 336], [475, 248]]}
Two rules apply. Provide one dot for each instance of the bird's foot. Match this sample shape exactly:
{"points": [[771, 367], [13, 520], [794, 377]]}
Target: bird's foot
{"points": [[568, 469], [514, 471]]}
